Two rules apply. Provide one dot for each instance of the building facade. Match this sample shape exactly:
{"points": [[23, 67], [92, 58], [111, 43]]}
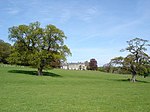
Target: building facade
{"points": [[74, 66]]}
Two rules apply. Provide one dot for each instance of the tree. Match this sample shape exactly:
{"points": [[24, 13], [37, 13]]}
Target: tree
{"points": [[37, 46], [93, 64], [87, 65], [137, 62], [5, 50], [107, 67], [117, 61], [116, 64]]}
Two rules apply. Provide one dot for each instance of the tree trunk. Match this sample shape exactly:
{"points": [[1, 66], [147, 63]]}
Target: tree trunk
{"points": [[133, 79], [40, 72]]}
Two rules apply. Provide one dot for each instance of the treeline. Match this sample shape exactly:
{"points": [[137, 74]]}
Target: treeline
{"points": [[5, 51]]}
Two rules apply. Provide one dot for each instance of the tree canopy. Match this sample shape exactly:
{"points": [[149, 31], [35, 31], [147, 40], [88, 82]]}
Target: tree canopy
{"points": [[93, 64], [37, 46]]}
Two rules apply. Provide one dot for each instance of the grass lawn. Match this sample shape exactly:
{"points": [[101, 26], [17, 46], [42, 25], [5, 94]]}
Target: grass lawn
{"points": [[71, 91]]}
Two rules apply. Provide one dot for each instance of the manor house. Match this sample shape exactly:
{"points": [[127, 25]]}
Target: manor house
{"points": [[75, 66]]}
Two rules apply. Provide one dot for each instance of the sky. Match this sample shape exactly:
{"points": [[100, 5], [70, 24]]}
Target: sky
{"points": [[94, 28]]}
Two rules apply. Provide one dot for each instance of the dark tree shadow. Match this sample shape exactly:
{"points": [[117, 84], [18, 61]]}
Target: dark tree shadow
{"points": [[128, 80], [34, 73]]}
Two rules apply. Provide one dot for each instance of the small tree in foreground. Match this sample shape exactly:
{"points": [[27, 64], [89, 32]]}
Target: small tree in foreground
{"points": [[37, 46], [137, 62]]}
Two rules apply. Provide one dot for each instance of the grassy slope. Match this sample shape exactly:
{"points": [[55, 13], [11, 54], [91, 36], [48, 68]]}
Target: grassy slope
{"points": [[71, 91]]}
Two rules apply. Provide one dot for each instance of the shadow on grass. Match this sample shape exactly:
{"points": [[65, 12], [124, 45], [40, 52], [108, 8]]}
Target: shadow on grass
{"points": [[128, 80], [34, 73]]}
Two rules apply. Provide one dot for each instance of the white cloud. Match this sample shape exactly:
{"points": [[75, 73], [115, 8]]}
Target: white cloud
{"points": [[13, 8], [65, 15], [1, 24], [11, 11], [92, 11], [143, 8], [113, 30], [87, 14]]}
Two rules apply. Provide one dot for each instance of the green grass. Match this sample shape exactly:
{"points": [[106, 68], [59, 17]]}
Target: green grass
{"points": [[71, 91]]}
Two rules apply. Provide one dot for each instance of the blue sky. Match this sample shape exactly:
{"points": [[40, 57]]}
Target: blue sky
{"points": [[95, 28]]}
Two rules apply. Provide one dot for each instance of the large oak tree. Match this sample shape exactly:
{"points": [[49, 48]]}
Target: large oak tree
{"points": [[37, 46]]}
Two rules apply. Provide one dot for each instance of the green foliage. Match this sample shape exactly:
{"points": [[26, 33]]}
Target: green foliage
{"points": [[70, 91], [5, 50], [117, 61], [102, 69], [107, 67], [37, 46]]}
